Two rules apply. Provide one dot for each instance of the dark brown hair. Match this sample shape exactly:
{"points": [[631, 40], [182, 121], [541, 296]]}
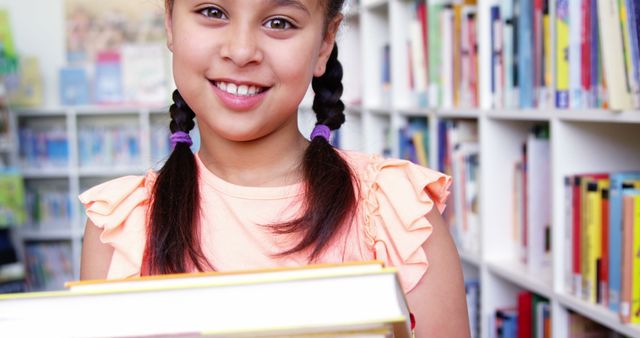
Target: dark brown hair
{"points": [[173, 236]]}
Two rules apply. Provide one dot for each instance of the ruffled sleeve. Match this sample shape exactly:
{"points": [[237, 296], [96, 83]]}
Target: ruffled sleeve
{"points": [[119, 207], [398, 196]]}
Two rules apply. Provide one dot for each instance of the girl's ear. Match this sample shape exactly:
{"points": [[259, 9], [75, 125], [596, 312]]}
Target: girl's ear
{"points": [[327, 45], [168, 23]]}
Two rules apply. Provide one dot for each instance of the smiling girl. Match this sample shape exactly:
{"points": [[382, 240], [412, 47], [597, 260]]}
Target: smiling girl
{"points": [[258, 194]]}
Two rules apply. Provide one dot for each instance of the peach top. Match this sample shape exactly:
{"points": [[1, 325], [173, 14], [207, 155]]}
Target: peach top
{"points": [[390, 223]]}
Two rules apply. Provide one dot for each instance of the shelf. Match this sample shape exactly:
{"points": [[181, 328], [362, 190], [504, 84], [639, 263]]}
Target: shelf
{"points": [[471, 113], [109, 171], [357, 109], [48, 234], [91, 110], [47, 172], [470, 258], [382, 111], [599, 314], [425, 112], [518, 274], [374, 4]]}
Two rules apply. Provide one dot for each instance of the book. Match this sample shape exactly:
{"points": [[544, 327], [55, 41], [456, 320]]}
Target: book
{"points": [[74, 86], [611, 39], [615, 234], [591, 236], [538, 206], [318, 299], [12, 198], [562, 53], [630, 292]]}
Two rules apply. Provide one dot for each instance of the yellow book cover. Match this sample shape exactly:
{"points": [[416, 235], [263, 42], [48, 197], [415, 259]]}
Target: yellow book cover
{"points": [[592, 240], [562, 56], [548, 57], [421, 152]]}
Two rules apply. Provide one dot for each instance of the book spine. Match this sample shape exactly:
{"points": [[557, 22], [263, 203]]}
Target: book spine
{"points": [[603, 278], [635, 282], [627, 259], [562, 53], [525, 54], [575, 53]]}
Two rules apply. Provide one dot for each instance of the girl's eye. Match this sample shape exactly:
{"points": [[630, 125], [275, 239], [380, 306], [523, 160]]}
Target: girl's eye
{"points": [[278, 23], [213, 13]]}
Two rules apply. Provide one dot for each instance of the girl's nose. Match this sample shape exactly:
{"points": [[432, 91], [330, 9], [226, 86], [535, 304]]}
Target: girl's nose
{"points": [[241, 47]]}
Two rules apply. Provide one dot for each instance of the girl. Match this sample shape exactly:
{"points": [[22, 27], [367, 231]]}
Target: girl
{"points": [[258, 194]]}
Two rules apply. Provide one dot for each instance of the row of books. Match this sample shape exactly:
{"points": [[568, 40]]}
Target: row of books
{"points": [[413, 141], [459, 156], [132, 74], [529, 317], [98, 146], [48, 207], [602, 216], [109, 145], [40, 147], [532, 200], [596, 48], [48, 265]]}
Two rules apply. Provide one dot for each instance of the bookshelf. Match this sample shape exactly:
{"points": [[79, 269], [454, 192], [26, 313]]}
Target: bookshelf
{"points": [[581, 140], [380, 101], [66, 150]]}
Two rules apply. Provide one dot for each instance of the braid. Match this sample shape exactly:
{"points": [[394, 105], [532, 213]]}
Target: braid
{"points": [[330, 199], [181, 114], [328, 88], [173, 235]]}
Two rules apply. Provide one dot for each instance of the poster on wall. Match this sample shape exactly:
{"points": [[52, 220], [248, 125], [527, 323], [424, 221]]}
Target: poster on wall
{"points": [[117, 49]]}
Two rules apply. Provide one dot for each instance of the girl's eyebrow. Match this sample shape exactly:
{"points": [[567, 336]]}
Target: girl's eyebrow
{"points": [[290, 3]]}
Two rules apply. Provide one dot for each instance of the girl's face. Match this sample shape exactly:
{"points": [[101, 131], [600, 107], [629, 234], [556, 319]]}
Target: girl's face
{"points": [[243, 66]]}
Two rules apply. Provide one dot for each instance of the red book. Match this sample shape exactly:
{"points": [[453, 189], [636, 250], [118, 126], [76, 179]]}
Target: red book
{"points": [[577, 225], [525, 314], [585, 47]]}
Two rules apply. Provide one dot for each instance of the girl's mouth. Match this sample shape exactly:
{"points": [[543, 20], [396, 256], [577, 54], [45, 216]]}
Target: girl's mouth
{"points": [[239, 90]]}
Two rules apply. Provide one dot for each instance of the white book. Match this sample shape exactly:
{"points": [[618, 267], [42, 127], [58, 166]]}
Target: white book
{"points": [[363, 299], [575, 55], [446, 24], [538, 203]]}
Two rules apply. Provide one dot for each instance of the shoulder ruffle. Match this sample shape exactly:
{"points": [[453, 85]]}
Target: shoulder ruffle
{"points": [[119, 207], [398, 196]]}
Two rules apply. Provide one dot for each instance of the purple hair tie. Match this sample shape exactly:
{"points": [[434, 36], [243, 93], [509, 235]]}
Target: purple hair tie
{"points": [[180, 137], [321, 130]]}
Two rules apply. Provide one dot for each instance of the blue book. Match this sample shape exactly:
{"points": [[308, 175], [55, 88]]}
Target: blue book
{"points": [[525, 52], [108, 79], [74, 86], [615, 235], [508, 50]]}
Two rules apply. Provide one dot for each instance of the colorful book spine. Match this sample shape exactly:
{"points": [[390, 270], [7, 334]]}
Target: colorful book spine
{"points": [[603, 274], [629, 295], [575, 53], [615, 235], [562, 53], [525, 54]]}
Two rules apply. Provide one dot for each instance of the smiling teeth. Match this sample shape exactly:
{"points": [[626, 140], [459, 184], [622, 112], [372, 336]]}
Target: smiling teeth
{"points": [[241, 90]]}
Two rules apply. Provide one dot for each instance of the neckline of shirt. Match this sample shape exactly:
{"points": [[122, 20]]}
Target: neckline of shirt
{"points": [[246, 192]]}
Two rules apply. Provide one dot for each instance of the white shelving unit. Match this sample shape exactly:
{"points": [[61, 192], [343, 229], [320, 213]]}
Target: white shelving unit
{"points": [[589, 140], [74, 177], [581, 141]]}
